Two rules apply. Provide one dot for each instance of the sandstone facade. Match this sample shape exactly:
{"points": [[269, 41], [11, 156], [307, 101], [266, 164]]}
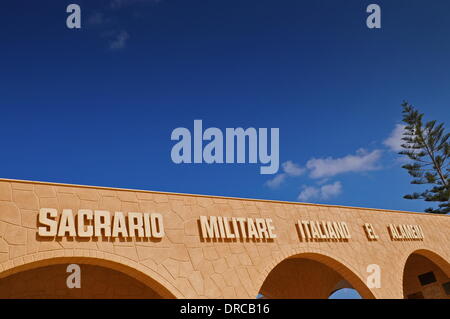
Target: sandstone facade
{"points": [[183, 264]]}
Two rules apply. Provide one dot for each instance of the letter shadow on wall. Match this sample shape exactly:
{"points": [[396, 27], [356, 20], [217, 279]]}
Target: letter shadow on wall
{"points": [[231, 240]]}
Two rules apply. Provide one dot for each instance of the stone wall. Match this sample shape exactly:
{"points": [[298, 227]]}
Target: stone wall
{"points": [[183, 265]]}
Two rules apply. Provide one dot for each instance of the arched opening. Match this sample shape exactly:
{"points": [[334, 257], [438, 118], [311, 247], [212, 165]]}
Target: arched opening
{"points": [[345, 293], [98, 279], [344, 290], [311, 276], [426, 276]]}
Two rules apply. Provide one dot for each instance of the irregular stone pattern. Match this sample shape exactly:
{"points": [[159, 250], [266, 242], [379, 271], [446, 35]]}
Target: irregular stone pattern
{"points": [[182, 265]]}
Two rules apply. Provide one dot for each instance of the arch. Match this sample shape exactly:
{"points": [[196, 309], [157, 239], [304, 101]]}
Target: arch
{"points": [[345, 293], [343, 284], [342, 270], [435, 258], [425, 274], [131, 269], [82, 282]]}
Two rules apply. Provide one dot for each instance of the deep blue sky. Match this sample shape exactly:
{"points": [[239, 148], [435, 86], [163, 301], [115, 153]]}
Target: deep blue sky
{"points": [[75, 110]]}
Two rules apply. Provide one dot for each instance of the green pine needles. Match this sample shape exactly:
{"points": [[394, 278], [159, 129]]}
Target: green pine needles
{"points": [[427, 147]]}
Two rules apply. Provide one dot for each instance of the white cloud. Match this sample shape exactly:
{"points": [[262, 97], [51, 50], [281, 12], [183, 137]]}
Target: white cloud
{"points": [[308, 193], [120, 40], [289, 169], [292, 169], [394, 141], [276, 181], [331, 190], [362, 161], [324, 168], [322, 193]]}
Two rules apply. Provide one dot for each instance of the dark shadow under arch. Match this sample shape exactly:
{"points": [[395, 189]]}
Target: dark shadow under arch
{"points": [[426, 275], [310, 275], [93, 263]]}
